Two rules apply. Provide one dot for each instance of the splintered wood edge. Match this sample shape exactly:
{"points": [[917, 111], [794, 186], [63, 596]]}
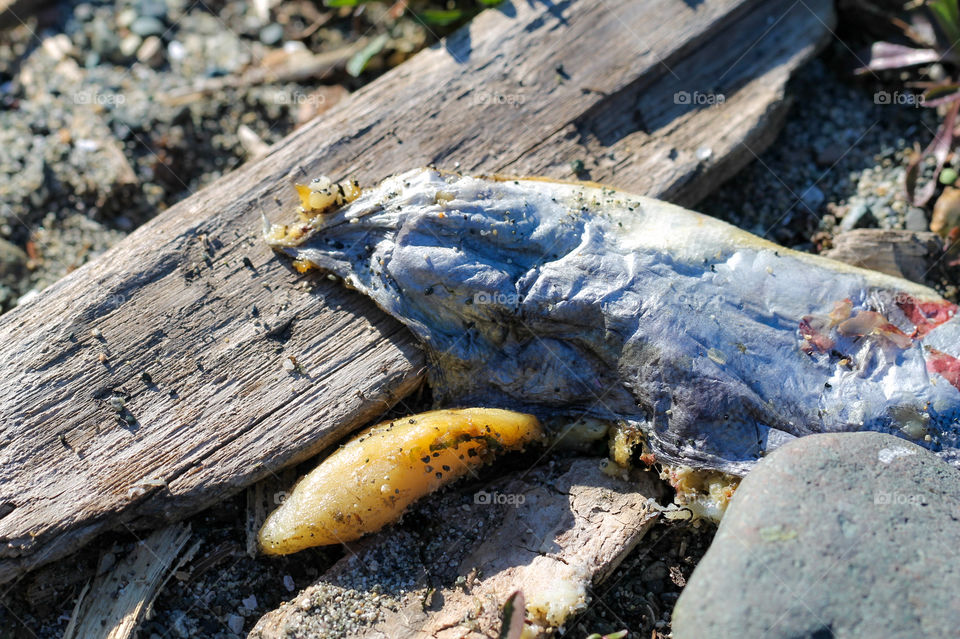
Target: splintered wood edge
{"points": [[115, 603]]}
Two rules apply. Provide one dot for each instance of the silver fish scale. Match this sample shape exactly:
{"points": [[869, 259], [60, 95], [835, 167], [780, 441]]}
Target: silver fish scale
{"points": [[569, 299]]}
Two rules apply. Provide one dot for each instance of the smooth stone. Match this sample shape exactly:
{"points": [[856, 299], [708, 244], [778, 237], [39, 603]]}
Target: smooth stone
{"points": [[151, 51], [857, 217], [129, 45], [915, 219], [125, 17], [153, 8], [812, 197], [842, 536], [147, 26], [271, 34]]}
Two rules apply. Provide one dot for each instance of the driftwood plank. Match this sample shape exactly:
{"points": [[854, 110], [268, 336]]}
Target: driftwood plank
{"points": [[149, 384], [908, 254], [678, 134]]}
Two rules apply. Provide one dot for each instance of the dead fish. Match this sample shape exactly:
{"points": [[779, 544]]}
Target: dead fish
{"points": [[578, 300]]}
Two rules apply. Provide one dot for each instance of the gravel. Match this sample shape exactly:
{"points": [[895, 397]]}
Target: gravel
{"points": [[838, 164], [89, 132]]}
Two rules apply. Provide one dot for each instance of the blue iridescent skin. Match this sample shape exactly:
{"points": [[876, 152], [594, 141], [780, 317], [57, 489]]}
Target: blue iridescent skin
{"points": [[574, 299]]}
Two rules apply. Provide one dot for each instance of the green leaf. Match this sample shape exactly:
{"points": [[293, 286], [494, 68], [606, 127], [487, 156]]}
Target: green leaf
{"points": [[490, 3], [341, 3], [361, 58], [441, 17], [514, 612], [947, 15]]}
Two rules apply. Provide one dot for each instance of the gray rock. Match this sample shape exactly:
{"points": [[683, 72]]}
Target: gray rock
{"points": [[915, 219], [812, 197], [147, 26], [153, 8], [271, 34], [841, 536], [858, 216], [235, 622]]}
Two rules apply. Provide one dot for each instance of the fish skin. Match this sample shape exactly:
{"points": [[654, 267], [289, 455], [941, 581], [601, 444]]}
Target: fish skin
{"points": [[571, 299]]}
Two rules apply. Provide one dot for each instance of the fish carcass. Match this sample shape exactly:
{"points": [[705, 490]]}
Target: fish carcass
{"points": [[575, 299]]}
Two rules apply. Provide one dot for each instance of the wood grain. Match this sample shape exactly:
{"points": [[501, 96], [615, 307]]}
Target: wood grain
{"points": [[118, 600], [912, 255], [149, 384]]}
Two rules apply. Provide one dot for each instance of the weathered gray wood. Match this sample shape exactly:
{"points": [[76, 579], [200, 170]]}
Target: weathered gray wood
{"points": [[725, 103], [908, 254], [175, 300], [555, 533], [120, 599]]}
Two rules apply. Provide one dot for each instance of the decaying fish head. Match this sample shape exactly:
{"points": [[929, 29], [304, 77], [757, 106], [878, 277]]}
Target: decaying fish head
{"points": [[453, 258], [573, 299]]}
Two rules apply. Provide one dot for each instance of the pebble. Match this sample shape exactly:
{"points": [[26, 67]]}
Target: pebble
{"points": [[129, 45], [176, 50], [147, 25], [948, 176], [107, 561], [848, 535], [915, 219], [125, 17], [235, 623], [59, 46], [857, 217], [812, 197], [288, 583], [271, 34], [153, 8], [151, 51], [180, 624]]}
